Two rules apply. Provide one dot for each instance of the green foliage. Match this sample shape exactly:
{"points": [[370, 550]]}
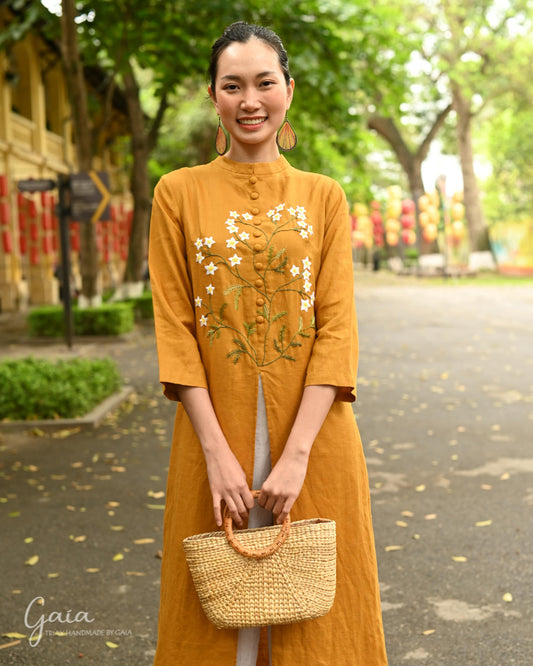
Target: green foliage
{"points": [[107, 319], [41, 389], [143, 306]]}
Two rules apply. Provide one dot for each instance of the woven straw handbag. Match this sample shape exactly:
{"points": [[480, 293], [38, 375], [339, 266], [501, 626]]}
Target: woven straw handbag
{"points": [[266, 575]]}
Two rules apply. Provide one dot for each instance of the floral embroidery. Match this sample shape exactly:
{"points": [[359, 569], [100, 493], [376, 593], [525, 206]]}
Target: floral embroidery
{"points": [[273, 277]]}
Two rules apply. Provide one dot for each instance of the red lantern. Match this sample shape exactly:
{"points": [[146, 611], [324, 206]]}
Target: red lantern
{"points": [[23, 244], [32, 209], [47, 245], [34, 231], [7, 243], [75, 243], [45, 199], [46, 220], [4, 212], [34, 256], [22, 221], [3, 186]]}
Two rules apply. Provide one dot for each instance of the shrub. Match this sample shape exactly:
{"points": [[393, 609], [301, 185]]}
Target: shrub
{"points": [[107, 319], [143, 306], [41, 389]]}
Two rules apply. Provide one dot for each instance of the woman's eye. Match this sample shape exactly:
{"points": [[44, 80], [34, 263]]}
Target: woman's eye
{"points": [[267, 84], [230, 87]]}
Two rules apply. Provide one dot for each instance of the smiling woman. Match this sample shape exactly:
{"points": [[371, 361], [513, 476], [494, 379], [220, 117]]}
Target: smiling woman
{"points": [[252, 282]]}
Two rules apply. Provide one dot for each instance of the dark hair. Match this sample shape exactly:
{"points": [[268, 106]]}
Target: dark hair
{"points": [[243, 32]]}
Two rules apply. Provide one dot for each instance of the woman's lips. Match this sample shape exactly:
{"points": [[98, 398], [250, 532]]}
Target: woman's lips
{"points": [[251, 122]]}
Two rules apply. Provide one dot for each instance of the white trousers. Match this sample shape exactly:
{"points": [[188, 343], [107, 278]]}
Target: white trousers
{"points": [[248, 644]]}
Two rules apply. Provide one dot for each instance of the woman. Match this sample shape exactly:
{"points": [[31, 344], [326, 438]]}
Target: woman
{"points": [[250, 263]]}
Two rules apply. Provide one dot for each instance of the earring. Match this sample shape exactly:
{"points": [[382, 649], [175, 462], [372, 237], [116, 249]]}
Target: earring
{"points": [[286, 137], [221, 140]]}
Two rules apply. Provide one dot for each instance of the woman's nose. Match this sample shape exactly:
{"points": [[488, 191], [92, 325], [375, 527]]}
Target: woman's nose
{"points": [[250, 101]]}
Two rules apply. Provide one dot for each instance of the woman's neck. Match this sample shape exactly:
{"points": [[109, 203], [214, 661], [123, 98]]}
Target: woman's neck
{"points": [[253, 154]]}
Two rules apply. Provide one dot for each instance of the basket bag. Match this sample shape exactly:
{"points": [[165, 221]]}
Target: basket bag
{"points": [[266, 575]]}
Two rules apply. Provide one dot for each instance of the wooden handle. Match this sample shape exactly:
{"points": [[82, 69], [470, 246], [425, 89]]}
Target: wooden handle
{"points": [[250, 552]]}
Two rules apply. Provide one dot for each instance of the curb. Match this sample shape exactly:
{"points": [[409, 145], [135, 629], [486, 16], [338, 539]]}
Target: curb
{"points": [[91, 420]]}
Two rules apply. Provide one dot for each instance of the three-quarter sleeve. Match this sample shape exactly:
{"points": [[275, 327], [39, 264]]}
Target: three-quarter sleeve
{"points": [[179, 356], [335, 351]]}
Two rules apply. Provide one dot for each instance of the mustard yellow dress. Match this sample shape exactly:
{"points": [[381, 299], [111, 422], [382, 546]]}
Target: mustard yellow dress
{"points": [[251, 273]]}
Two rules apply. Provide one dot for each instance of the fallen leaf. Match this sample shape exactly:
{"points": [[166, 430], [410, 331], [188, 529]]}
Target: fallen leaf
{"points": [[483, 523], [135, 573], [92, 570], [118, 468], [32, 561], [118, 557], [420, 488], [156, 495], [141, 541], [390, 549], [13, 634], [8, 645], [430, 516], [459, 558], [155, 506], [28, 540], [79, 539], [428, 632], [408, 514], [485, 486], [507, 597], [505, 476], [111, 645], [112, 505], [53, 575], [76, 465], [117, 528]]}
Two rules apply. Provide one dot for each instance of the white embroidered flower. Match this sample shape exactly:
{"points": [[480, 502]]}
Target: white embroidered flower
{"points": [[210, 269], [208, 242], [302, 223], [233, 228], [198, 242], [232, 243], [235, 260], [306, 274], [309, 229], [199, 257], [305, 304], [276, 217], [303, 233], [306, 263], [307, 286], [210, 289], [271, 212], [246, 216], [198, 302], [244, 236], [312, 298], [295, 270], [300, 210], [203, 320], [280, 206], [234, 214], [292, 211], [228, 221]]}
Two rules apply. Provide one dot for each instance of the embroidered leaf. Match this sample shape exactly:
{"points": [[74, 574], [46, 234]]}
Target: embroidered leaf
{"points": [[239, 344], [265, 311], [280, 268], [237, 289], [250, 328], [221, 311], [277, 346], [236, 354], [282, 333], [289, 358], [278, 316]]}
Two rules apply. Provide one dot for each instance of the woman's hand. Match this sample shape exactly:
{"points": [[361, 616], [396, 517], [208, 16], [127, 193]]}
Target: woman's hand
{"points": [[228, 484], [284, 483]]}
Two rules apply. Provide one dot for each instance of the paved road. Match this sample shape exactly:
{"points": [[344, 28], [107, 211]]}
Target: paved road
{"points": [[445, 409]]}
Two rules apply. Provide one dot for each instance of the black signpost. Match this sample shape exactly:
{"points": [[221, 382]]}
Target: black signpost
{"points": [[83, 197]]}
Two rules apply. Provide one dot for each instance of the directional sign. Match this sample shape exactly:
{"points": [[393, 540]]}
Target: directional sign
{"points": [[36, 185], [89, 196]]}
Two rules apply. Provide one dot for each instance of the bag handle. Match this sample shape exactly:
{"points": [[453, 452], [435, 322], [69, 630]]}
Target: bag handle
{"points": [[250, 552]]}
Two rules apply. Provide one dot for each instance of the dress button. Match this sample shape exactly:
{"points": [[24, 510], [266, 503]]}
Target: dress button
{"points": [[255, 195], [257, 221], [259, 319], [259, 302], [257, 233], [255, 211], [253, 180], [259, 283], [260, 266], [258, 247]]}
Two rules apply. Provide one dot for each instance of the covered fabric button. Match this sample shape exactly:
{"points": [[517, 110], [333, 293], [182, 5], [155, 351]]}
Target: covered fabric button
{"points": [[259, 319], [255, 195], [259, 302], [257, 221], [253, 180], [255, 211], [259, 282], [258, 247], [257, 233], [260, 266]]}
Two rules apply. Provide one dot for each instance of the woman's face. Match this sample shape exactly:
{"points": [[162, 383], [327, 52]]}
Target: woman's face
{"points": [[251, 97]]}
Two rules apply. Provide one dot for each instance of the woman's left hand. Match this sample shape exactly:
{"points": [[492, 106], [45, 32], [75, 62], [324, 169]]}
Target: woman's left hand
{"points": [[283, 484]]}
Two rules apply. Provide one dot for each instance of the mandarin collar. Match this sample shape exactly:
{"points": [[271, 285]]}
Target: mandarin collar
{"points": [[252, 168]]}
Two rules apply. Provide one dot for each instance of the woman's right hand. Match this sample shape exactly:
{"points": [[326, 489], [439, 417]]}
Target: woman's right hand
{"points": [[228, 484]]}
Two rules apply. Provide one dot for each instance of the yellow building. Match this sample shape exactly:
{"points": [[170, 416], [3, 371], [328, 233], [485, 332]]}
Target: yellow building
{"points": [[36, 141]]}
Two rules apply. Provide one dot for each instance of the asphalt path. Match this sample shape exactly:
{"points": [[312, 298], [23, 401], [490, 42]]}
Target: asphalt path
{"points": [[445, 408]]}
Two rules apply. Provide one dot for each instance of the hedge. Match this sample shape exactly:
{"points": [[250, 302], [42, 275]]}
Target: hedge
{"points": [[42, 389], [106, 319]]}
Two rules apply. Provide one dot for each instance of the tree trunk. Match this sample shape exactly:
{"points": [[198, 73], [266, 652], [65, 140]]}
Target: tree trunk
{"points": [[140, 183], [82, 131], [411, 162], [477, 227]]}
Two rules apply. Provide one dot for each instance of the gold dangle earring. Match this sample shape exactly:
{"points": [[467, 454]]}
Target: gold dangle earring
{"points": [[221, 140], [286, 137]]}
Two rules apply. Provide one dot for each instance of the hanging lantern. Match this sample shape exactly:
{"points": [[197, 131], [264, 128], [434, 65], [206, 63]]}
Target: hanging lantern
{"points": [[7, 243], [4, 212], [34, 256], [3, 186]]}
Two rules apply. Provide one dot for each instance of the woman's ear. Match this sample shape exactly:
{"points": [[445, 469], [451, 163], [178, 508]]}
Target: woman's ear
{"points": [[290, 93], [213, 97]]}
